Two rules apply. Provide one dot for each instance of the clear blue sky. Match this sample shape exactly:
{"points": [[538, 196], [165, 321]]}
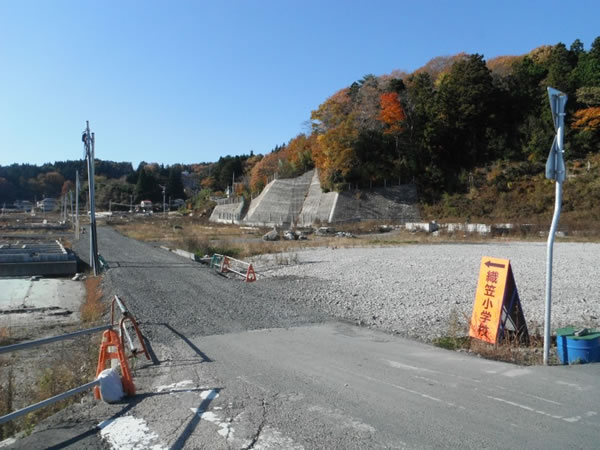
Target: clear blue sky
{"points": [[190, 81]]}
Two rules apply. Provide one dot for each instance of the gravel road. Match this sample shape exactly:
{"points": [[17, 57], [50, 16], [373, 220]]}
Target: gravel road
{"points": [[413, 290], [190, 300]]}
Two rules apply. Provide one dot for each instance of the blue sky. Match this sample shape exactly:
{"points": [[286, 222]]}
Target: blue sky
{"points": [[190, 81]]}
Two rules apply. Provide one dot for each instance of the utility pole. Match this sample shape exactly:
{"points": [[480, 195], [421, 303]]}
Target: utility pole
{"points": [[77, 204], [89, 144], [555, 170], [164, 190]]}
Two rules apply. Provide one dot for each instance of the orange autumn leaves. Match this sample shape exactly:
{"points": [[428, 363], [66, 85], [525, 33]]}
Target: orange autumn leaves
{"points": [[392, 113], [331, 145], [290, 160], [587, 119]]}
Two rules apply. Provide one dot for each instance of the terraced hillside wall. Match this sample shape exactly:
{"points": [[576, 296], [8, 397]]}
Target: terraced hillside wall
{"points": [[397, 203], [280, 202], [228, 210], [318, 205], [300, 201]]}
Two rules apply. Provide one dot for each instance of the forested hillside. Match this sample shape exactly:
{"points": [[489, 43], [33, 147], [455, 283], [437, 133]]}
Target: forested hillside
{"points": [[120, 183], [436, 125], [457, 127]]}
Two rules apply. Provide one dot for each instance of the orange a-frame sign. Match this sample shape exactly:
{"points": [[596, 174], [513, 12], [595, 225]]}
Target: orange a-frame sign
{"points": [[489, 299]]}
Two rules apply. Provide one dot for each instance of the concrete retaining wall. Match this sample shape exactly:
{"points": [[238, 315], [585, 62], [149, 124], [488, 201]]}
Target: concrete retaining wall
{"points": [[318, 205], [301, 201], [228, 211], [428, 227], [480, 228], [398, 203], [280, 202]]}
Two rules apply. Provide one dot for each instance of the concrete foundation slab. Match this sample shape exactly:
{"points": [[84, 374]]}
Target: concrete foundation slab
{"points": [[27, 258], [25, 302]]}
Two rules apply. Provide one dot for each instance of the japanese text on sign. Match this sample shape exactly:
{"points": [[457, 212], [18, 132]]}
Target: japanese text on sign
{"points": [[489, 298]]}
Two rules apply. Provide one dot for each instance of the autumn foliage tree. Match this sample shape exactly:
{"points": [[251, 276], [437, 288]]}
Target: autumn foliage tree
{"points": [[587, 119], [392, 114]]}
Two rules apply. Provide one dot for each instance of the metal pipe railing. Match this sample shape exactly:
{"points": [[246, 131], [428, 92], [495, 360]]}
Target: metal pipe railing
{"points": [[125, 313], [48, 401], [59, 397], [123, 329], [24, 345], [38, 342]]}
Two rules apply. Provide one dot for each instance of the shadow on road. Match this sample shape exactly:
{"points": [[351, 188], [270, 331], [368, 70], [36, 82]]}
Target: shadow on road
{"points": [[193, 423], [134, 401], [153, 358], [199, 352]]}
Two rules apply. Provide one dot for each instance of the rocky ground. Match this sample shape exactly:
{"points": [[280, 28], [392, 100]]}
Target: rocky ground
{"points": [[419, 291]]}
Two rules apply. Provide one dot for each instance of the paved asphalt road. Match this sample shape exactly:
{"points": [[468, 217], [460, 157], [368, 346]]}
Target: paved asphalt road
{"points": [[236, 368]]}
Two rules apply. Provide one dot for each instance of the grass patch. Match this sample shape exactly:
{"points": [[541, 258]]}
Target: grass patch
{"points": [[92, 308], [510, 349], [7, 396], [452, 343], [6, 337], [70, 365], [73, 368], [202, 246], [507, 350]]}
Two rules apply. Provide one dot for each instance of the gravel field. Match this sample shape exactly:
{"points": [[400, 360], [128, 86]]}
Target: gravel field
{"points": [[412, 290]]}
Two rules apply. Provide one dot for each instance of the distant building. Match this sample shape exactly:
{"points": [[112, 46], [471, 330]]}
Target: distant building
{"points": [[178, 203], [190, 181], [47, 204], [24, 205]]}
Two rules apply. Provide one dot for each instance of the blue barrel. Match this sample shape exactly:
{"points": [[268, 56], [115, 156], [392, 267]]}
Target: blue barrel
{"points": [[573, 349]]}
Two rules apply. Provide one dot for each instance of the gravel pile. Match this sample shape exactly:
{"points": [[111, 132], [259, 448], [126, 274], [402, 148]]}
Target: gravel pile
{"points": [[415, 290]]}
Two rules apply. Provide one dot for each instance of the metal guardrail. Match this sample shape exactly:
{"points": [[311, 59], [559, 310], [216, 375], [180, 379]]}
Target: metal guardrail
{"points": [[38, 342]]}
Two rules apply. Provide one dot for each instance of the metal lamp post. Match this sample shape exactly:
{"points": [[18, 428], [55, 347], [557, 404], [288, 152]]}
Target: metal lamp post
{"points": [[555, 170]]}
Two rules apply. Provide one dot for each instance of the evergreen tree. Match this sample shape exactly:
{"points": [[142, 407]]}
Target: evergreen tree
{"points": [[559, 69], [175, 184], [147, 187], [464, 104]]}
